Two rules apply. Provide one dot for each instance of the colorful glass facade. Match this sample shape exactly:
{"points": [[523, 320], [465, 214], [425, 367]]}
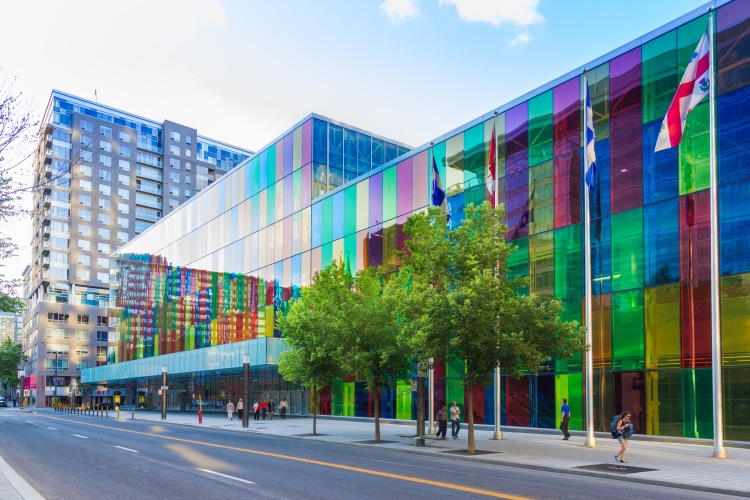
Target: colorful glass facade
{"points": [[219, 269]]}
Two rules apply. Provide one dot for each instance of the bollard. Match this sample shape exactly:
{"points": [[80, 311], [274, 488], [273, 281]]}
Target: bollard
{"points": [[132, 416], [200, 417], [106, 415], [118, 412]]}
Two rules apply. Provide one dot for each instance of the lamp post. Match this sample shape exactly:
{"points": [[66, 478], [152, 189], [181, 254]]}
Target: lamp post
{"points": [[163, 392], [72, 393], [56, 355], [22, 376], [245, 389]]}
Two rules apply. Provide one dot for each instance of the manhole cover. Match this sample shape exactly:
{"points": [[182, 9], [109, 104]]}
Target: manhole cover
{"points": [[372, 441], [616, 468], [466, 452]]}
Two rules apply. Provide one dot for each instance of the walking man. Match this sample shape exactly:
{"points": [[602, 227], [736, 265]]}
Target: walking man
{"points": [[442, 421], [455, 420], [240, 407], [230, 410], [565, 419], [264, 408]]}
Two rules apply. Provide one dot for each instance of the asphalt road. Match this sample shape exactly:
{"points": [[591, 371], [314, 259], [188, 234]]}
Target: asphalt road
{"points": [[75, 456]]}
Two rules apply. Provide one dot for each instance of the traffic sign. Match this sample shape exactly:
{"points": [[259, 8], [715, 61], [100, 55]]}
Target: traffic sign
{"points": [[164, 387], [26, 393]]}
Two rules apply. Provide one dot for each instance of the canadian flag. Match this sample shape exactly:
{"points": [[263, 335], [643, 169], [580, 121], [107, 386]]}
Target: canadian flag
{"points": [[695, 85]]}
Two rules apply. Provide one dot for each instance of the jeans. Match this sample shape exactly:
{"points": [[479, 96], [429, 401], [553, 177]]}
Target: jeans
{"points": [[455, 427], [564, 426]]}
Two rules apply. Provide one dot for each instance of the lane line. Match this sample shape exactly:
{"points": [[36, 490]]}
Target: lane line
{"points": [[226, 476], [51, 428], [439, 484], [127, 449], [79, 436]]}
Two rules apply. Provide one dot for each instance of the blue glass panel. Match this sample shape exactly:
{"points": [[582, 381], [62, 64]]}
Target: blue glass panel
{"points": [[320, 141], [335, 146], [391, 152], [455, 210], [660, 170], [402, 151], [338, 215], [377, 153], [350, 151], [734, 231], [661, 243], [363, 154], [296, 274], [248, 180], [600, 199], [601, 256], [316, 226], [733, 122]]}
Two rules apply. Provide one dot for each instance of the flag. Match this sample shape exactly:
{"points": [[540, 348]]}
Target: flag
{"points": [[694, 86], [438, 192], [590, 153], [490, 181], [526, 217]]}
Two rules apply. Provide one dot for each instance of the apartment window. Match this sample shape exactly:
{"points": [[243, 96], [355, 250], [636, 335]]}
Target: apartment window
{"points": [[123, 222], [123, 136], [124, 165], [58, 317], [84, 215], [123, 208], [123, 179], [57, 349], [175, 136], [83, 274], [174, 177], [102, 320], [87, 126], [105, 131], [62, 364], [174, 149], [84, 200], [82, 350], [105, 189], [188, 180], [84, 185], [188, 152], [83, 319], [84, 245], [102, 262], [58, 333], [104, 219], [188, 139], [123, 193], [105, 160], [86, 140], [103, 248], [84, 230], [82, 365], [103, 233], [105, 175], [188, 193], [122, 236], [87, 156], [124, 150], [174, 163], [102, 336], [102, 277], [101, 350], [105, 204], [105, 145], [82, 335], [188, 166], [85, 170], [173, 203], [174, 190], [84, 260]]}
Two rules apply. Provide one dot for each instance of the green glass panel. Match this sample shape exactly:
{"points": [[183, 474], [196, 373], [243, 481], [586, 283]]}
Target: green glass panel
{"points": [[627, 330], [337, 401], [568, 262], [627, 250], [271, 205], [697, 404], [694, 159], [350, 253], [540, 129], [735, 320], [350, 210], [570, 387], [454, 386], [326, 222], [542, 196], [518, 262], [663, 403], [454, 179], [659, 75], [297, 190], [326, 254], [403, 400], [572, 311], [688, 36], [542, 261], [390, 201], [475, 162], [736, 398], [599, 88], [271, 165], [662, 326], [474, 195]]}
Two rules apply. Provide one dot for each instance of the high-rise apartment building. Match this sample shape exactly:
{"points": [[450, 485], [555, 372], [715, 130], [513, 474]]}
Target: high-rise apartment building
{"points": [[8, 325], [104, 176]]}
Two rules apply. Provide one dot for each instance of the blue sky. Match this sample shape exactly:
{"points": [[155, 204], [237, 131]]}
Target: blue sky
{"points": [[245, 71]]}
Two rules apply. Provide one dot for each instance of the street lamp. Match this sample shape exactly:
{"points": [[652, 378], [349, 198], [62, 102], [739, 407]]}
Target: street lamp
{"points": [[72, 393], [245, 389], [163, 392]]}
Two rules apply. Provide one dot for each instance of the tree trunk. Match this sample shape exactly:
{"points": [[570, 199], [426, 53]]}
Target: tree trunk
{"points": [[470, 417], [377, 415], [315, 411]]}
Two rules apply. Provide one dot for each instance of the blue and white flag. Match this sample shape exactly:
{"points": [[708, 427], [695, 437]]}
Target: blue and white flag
{"points": [[438, 192], [590, 153]]}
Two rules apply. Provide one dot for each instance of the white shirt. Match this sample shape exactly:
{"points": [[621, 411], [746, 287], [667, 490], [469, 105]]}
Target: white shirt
{"points": [[455, 413]]}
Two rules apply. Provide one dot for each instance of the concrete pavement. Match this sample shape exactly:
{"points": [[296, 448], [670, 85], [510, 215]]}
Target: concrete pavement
{"points": [[687, 465], [13, 486]]}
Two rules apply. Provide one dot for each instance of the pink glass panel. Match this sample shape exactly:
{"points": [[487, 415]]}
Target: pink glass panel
{"points": [[695, 236], [420, 181], [404, 186]]}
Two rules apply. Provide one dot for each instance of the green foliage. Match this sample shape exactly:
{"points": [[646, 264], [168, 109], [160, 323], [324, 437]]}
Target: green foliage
{"points": [[8, 303], [11, 356]]}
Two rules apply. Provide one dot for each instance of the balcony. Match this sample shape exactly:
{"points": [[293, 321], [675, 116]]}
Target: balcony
{"points": [[48, 141], [46, 232], [45, 262], [47, 202]]}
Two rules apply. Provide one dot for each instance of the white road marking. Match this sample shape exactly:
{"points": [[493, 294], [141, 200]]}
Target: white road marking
{"points": [[51, 428], [30, 421], [79, 436], [226, 476], [126, 449]]}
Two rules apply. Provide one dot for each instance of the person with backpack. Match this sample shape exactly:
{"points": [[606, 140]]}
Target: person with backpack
{"points": [[622, 429], [271, 409]]}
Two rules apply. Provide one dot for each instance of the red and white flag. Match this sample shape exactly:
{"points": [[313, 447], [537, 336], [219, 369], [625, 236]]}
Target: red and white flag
{"points": [[695, 85], [490, 180]]}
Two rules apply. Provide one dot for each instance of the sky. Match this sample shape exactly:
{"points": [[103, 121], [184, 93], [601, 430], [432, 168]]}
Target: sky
{"points": [[243, 72]]}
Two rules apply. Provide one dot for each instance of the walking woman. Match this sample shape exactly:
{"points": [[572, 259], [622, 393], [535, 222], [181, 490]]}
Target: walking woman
{"points": [[230, 410], [624, 431], [240, 407], [256, 410]]}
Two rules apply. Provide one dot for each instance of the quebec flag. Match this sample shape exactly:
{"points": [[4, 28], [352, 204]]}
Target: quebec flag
{"points": [[438, 191]]}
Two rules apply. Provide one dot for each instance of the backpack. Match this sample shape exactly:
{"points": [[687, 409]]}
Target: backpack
{"points": [[613, 428]]}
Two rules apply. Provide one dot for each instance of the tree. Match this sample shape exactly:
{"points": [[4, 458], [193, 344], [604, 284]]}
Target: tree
{"points": [[311, 329], [462, 306], [11, 356]]}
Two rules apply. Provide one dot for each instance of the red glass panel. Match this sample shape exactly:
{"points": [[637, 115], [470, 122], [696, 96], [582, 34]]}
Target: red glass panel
{"points": [[567, 155], [626, 168], [625, 83], [517, 402], [477, 404], [695, 323], [695, 236]]}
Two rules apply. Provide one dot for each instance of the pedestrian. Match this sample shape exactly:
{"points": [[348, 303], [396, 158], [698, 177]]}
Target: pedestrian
{"points": [[282, 408], [624, 431], [240, 407], [442, 421], [565, 419], [264, 408], [230, 410], [271, 408], [455, 420], [256, 410]]}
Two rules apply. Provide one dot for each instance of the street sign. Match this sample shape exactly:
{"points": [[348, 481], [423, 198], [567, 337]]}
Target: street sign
{"points": [[21, 373], [164, 387], [26, 393]]}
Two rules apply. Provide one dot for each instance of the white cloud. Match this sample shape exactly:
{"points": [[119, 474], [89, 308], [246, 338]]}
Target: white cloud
{"points": [[522, 38], [399, 10], [497, 12]]}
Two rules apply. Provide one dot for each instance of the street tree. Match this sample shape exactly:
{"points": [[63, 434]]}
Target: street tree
{"points": [[311, 330], [11, 357], [462, 306]]}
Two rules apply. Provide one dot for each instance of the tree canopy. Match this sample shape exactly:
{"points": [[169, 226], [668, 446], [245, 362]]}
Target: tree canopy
{"points": [[11, 356]]}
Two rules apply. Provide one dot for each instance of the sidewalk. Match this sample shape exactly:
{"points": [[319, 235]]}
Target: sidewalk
{"points": [[13, 486], [685, 465]]}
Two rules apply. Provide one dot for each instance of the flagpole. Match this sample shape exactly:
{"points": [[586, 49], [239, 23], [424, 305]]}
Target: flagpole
{"points": [[720, 450], [498, 434], [431, 385], [590, 441]]}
